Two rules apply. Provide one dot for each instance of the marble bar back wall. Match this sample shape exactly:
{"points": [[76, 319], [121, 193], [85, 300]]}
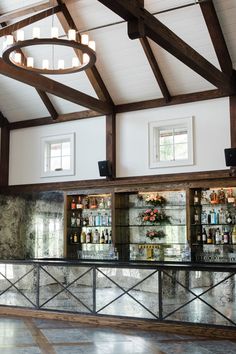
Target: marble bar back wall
{"points": [[32, 225]]}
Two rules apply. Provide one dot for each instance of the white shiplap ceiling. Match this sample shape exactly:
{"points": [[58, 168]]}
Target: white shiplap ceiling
{"points": [[121, 62]]}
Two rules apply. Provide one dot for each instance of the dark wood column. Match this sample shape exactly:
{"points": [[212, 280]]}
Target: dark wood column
{"points": [[232, 103], [4, 156], [111, 141]]}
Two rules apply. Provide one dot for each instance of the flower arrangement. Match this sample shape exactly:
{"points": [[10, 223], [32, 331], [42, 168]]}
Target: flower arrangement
{"points": [[154, 215], [155, 199], [154, 233]]}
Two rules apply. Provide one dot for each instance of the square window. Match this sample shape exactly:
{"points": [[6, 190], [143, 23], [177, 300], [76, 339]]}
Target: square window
{"points": [[57, 155], [171, 143]]}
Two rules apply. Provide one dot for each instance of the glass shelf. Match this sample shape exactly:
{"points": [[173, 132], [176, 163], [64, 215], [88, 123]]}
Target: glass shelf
{"points": [[151, 225], [212, 224]]}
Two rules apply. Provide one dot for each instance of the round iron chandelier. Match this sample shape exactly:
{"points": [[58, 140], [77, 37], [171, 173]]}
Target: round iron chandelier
{"points": [[14, 56]]}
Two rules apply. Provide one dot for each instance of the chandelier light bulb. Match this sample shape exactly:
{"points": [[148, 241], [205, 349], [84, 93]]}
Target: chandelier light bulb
{"points": [[30, 62], [92, 45], [84, 39], [18, 58], [54, 32], [72, 35], [9, 40], [45, 64], [85, 59], [75, 62], [20, 35], [36, 32], [61, 64]]}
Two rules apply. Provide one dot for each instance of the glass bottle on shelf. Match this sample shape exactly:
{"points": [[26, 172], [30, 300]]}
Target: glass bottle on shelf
{"points": [[213, 216], [217, 237], [196, 218], [204, 217], [73, 204], [233, 236], [110, 237], [96, 236], [199, 238], [221, 196], [106, 236], [79, 204], [226, 237], [228, 218], [83, 237], [196, 197], [204, 236], [75, 237], [78, 220], [209, 237], [102, 238], [101, 204], [89, 236], [230, 197], [73, 220]]}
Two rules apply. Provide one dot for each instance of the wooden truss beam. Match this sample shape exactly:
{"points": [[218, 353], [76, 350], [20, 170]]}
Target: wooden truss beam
{"points": [[55, 88], [155, 68], [111, 141], [148, 25], [217, 37], [179, 99], [4, 155], [29, 20], [93, 75], [26, 10], [48, 104], [48, 120]]}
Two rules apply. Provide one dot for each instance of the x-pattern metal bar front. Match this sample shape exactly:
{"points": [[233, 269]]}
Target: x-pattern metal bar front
{"points": [[65, 288], [198, 296], [126, 292]]}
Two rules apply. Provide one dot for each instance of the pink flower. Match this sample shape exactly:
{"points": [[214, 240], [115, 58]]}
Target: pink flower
{"points": [[145, 218], [155, 211], [152, 218]]}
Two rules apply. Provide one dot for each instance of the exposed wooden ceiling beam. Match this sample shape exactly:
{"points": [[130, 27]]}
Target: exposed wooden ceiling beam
{"points": [[179, 99], [217, 37], [155, 68], [48, 104], [26, 10], [55, 88], [29, 20], [93, 75], [61, 119], [163, 36], [3, 120]]}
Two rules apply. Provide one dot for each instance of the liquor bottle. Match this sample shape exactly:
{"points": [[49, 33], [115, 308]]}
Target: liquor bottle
{"points": [[102, 238], [233, 237], [78, 220], [98, 220], [221, 217], [204, 236], [83, 237], [213, 216], [106, 236], [217, 237], [196, 198], [105, 220], [196, 216], [85, 202], [209, 237], [79, 204], [221, 196], [228, 218], [110, 237], [89, 236], [96, 236], [204, 217], [73, 220], [71, 238], [93, 203], [91, 219], [75, 237], [101, 204], [73, 204], [230, 197], [199, 238], [226, 237]]}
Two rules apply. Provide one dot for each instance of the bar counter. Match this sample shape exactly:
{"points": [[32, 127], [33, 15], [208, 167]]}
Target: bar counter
{"points": [[161, 292]]}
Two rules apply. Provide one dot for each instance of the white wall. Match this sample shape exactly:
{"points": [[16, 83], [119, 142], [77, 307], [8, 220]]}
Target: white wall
{"points": [[211, 124], [90, 147]]}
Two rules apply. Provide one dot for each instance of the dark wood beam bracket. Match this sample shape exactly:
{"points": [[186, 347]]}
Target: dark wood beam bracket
{"points": [[48, 104], [217, 37], [3, 120], [111, 141], [163, 36], [4, 155], [232, 104], [55, 88], [155, 68]]}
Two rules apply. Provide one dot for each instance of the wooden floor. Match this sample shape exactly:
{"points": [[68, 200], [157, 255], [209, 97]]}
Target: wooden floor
{"points": [[34, 336]]}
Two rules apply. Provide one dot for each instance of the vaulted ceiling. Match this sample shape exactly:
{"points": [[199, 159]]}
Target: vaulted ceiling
{"points": [[180, 51]]}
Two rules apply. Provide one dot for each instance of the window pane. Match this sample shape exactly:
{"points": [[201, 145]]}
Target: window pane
{"points": [[66, 162], [66, 148], [166, 153], [55, 150], [165, 137], [55, 163], [181, 151], [180, 136]]}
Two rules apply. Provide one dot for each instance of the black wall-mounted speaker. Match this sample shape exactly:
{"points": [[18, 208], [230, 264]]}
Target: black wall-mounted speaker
{"points": [[105, 168], [230, 157]]}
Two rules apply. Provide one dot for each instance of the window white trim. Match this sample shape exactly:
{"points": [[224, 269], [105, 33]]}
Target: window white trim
{"points": [[44, 145], [155, 127]]}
